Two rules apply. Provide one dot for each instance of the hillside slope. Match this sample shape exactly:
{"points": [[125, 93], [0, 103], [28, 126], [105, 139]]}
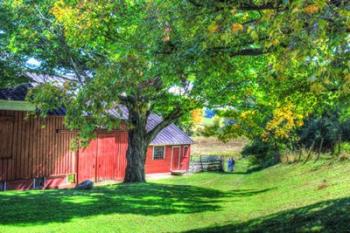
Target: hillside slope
{"points": [[312, 197]]}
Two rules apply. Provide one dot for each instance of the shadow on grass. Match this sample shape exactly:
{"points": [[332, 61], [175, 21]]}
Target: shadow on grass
{"points": [[38, 207], [248, 192], [328, 216], [250, 170]]}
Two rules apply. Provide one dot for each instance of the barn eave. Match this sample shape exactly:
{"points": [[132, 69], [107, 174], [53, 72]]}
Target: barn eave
{"points": [[15, 105]]}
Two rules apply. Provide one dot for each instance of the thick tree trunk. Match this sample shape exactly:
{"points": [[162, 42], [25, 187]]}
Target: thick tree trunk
{"points": [[139, 139], [137, 147], [136, 157]]}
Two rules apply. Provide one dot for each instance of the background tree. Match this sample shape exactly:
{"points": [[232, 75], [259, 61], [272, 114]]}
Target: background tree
{"points": [[10, 64], [304, 47]]}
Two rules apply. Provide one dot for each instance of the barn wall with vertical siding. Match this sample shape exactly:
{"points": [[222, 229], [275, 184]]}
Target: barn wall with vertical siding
{"points": [[36, 149]]}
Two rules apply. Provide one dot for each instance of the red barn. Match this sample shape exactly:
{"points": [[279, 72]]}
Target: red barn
{"points": [[35, 153]]}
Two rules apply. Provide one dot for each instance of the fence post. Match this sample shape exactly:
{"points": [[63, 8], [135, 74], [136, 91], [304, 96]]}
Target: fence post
{"points": [[222, 168], [200, 161]]}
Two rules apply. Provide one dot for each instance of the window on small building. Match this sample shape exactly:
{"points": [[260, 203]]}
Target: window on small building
{"points": [[6, 136], [38, 183], [158, 152]]}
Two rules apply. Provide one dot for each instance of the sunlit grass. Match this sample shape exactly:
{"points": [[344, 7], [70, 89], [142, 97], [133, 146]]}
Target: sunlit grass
{"points": [[284, 198]]}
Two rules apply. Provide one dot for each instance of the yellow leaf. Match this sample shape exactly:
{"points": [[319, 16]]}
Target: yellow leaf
{"points": [[213, 27], [197, 116], [236, 27], [275, 42], [311, 9]]}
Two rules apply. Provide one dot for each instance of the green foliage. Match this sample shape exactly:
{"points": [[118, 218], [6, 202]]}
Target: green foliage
{"points": [[345, 127], [322, 133], [45, 97], [165, 44], [264, 153], [71, 178], [10, 64], [185, 123], [325, 133], [345, 147], [304, 71], [10, 75]]}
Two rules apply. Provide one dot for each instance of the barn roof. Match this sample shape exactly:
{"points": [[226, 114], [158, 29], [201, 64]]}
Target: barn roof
{"points": [[170, 135]]}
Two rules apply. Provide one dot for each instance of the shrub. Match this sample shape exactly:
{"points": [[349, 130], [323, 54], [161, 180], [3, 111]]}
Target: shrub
{"points": [[264, 153], [345, 147], [321, 133], [345, 128]]}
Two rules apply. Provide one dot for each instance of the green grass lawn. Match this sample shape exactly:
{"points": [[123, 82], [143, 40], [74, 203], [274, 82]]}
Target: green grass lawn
{"points": [[312, 197]]}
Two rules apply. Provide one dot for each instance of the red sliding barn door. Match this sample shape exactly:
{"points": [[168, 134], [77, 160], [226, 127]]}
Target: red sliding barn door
{"points": [[87, 162], [104, 158], [122, 138]]}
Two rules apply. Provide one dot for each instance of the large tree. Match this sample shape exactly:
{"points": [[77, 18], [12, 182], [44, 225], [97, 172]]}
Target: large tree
{"points": [[170, 57]]}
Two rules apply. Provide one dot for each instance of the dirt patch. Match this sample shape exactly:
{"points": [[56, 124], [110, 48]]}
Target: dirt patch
{"points": [[323, 185]]}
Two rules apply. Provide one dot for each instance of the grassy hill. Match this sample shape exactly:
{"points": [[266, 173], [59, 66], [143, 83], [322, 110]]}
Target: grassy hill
{"points": [[311, 197]]}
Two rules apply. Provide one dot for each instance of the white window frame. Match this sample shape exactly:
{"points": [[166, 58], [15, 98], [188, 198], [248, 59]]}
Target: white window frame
{"points": [[164, 152]]}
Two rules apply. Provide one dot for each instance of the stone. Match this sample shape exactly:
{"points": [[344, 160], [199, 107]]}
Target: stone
{"points": [[85, 185]]}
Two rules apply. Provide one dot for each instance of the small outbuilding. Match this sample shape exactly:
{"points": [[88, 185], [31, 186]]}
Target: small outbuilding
{"points": [[36, 153]]}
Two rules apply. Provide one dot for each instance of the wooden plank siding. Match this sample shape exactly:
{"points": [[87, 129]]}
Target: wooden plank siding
{"points": [[34, 147], [37, 150]]}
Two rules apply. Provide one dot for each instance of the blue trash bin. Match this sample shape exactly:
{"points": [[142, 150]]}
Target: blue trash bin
{"points": [[231, 165]]}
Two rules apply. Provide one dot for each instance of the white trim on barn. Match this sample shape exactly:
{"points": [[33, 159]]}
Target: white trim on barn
{"points": [[14, 105]]}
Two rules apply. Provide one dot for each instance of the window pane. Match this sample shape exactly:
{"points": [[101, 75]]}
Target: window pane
{"points": [[158, 152]]}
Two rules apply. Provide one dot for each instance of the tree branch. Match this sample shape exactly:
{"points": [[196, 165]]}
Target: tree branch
{"points": [[124, 99], [242, 52], [174, 115], [244, 6], [252, 7], [78, 71]]}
